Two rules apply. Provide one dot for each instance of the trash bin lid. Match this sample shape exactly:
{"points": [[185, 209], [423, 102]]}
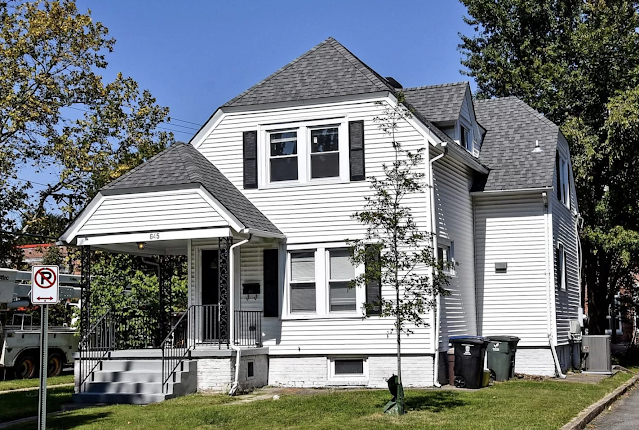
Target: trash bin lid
{"points": [[503, 338], [474, 340]]}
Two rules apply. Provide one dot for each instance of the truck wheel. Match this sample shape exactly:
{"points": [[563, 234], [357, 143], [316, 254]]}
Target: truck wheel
{"points": [[54, 364], [25, 367]]}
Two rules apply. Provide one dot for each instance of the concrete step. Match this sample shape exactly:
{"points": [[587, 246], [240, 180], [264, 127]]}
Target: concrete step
{"points": [[112, 398], [126, 376], [127, 388], [121, 365]]}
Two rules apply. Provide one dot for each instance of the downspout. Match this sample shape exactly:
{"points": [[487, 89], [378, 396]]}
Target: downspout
{"points": [[433, 223], [555, 358], [238, 353]]}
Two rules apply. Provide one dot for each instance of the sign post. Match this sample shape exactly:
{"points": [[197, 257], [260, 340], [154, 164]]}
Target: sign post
{"points": [[44, 291]]}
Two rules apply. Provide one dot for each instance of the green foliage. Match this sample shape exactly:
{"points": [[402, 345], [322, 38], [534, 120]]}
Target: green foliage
{"points": [[56, 110], [577, 62], [395, 250]]}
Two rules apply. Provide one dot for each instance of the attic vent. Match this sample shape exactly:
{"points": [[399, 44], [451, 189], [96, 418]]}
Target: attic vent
{"points": [[393, 83]]}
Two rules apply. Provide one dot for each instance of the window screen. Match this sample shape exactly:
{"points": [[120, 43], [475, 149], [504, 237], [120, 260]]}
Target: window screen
{"points": [[302, 282], [324, 153], [342, 272], [349, 367]]}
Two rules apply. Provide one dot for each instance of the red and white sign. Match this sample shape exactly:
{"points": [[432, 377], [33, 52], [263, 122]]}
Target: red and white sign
{"points": [[44, 285]]}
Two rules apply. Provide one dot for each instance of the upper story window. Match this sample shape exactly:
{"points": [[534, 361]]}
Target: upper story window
{"points": [[324, 152], [283, 163], [465, 139], [563, 180]]}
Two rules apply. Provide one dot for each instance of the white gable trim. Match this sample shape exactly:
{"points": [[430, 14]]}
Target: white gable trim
{"points": [[71, 232], [159, 236], [220, 209]]}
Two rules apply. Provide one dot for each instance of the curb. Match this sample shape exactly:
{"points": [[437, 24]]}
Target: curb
{"points": [[590, 413]]}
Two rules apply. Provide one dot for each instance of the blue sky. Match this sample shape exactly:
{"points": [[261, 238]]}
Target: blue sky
{"points": [[195, 55]]}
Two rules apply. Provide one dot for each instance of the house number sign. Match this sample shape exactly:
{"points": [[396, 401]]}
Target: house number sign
{"points": [[154, 236]]}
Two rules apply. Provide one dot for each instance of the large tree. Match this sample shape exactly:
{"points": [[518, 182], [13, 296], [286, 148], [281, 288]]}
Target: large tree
{"points": [[57, 113], [576, 61]]}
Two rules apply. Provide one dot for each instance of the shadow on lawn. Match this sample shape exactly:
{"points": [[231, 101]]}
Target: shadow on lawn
{"points": [[64, 422], [436, 401]]}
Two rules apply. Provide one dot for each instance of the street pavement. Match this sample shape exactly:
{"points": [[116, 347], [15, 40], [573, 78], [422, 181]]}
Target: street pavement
{"points": [[623, 414]]}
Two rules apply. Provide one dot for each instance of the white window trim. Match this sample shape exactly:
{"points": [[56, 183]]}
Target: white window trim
{"points": [[450, 244], [322, 288], [303, 152], [564, 183], [561, 250], [353, 379]]}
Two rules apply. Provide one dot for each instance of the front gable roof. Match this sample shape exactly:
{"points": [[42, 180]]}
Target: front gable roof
{"points": [[512, 129], [438, 103], [181, 164], [327, 70]]}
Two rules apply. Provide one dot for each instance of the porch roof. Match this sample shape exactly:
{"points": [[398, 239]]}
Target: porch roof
{"points": [[154, 195]]}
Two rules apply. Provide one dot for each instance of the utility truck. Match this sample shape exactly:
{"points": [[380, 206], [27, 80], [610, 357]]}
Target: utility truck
{"points": [[20, 337]]}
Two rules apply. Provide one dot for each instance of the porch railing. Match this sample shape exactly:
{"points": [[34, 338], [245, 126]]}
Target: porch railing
{"points": [[248, 328], [177, 346], [94, 346]]}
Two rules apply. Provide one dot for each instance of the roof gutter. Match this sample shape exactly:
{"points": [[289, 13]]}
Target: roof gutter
{"points": [[517, 191], [433, 220], [261, 233]]}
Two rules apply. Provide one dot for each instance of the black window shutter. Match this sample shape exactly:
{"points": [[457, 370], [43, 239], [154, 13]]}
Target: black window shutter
{"points": [[271, 284], [558, 176], [356, 149], [373, 286], [250, 159]]}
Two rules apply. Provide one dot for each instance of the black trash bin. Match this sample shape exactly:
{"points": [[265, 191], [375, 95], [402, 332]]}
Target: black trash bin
{"points": [[501, 357], [469, 360]]}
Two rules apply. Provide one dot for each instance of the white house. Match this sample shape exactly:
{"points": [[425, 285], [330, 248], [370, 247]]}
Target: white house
{"points": [[261, 201]]}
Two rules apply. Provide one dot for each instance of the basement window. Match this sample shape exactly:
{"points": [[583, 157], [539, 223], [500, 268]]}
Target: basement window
{"points": [[349, 367], [250, 371]]}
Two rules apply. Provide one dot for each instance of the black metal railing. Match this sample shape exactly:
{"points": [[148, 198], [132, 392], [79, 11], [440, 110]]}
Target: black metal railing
{"points": [[176, 347], [136, 329], [94, 347], [248, 328]]}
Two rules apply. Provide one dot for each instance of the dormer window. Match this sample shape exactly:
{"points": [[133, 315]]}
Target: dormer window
{"points": [[465, 139], [563, 180]]}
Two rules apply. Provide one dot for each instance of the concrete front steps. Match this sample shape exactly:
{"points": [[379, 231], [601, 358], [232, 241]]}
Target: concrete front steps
{"points": [[136, 381]]}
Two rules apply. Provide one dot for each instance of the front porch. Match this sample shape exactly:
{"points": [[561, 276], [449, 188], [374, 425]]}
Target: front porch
{"points": [[163, 214]]}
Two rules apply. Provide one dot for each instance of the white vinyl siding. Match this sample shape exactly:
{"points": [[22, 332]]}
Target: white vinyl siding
{"points": [[152, 211], [455, 229], [567, 301], [317, 211], [513, 230]]}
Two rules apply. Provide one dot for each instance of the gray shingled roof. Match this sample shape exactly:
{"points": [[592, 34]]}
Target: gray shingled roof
{"points": [[327, 70], [438, 103], [512, 128], [182, 164]]}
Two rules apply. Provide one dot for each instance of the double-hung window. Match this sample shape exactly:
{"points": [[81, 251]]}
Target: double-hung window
{"points": [[303, 299], [324, 145], [342, 295], [562, 276], [446, 255], [563, 180], [283, 162]]}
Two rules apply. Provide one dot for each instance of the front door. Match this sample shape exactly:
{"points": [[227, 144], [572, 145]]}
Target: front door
{"points": [[210, 314]]}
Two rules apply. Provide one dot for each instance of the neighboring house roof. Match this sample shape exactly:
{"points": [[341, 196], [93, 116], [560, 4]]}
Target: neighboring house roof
{"points": [[327, 70], [438, 103], [182, 164], [512, 129]]}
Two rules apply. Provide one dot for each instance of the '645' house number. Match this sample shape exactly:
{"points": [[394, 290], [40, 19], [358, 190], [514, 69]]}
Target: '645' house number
{"points": [[154, 236]]}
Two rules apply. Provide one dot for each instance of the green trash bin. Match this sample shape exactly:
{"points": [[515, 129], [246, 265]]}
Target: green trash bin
{"points": [[501, 357]]}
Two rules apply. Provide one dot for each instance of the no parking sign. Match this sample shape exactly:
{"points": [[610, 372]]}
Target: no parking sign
{"points": [[44, 285]]}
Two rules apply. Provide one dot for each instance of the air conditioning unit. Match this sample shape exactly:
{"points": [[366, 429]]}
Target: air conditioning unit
{"points": [[596, 353]]}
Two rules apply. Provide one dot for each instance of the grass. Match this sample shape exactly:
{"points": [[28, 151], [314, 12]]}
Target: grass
{"points": [[22, 404], [30, 383], [512, 405]]}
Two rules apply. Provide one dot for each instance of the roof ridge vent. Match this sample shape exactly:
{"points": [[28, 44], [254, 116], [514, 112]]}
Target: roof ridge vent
{"points": [[393, 83]]}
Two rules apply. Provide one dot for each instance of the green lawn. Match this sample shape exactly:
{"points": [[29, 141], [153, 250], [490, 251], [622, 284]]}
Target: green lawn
{"points": [[509, 405], [28, 383], [22, 404]]}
